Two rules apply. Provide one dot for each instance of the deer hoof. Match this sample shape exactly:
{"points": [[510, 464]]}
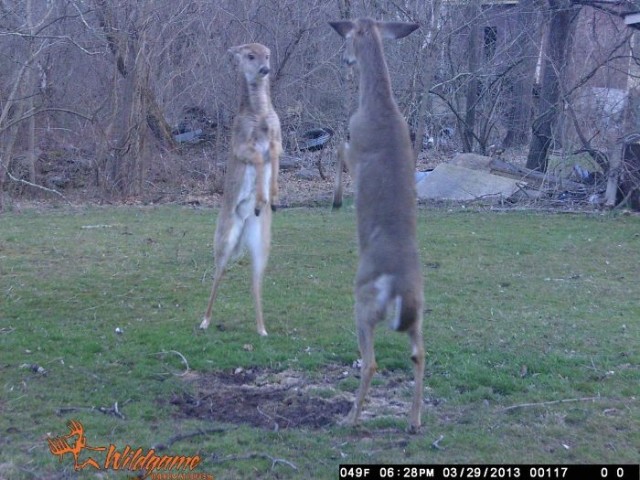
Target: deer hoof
{"points": [[256, 211], [273, 207], [204, 324], [351, 420], [344, 422], [413, 429]]}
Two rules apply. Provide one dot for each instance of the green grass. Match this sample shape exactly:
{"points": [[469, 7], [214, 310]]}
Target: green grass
{"points": [[522, 308]]}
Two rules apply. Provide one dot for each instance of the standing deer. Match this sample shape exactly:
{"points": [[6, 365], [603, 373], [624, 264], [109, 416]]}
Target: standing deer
{"points": [[379, 154], [251, 178]]}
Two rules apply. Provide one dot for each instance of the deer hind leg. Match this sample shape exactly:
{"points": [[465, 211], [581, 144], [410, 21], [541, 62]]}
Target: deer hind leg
{"points": [[417, 357], [368, 314], [217, 277], [227, 244], [258, 240]]}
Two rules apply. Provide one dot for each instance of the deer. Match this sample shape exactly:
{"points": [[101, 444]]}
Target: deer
{"points": [[389, 282], [251, 179]]}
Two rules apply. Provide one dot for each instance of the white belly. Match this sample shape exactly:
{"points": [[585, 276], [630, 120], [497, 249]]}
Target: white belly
{"points": [[247, 193]]}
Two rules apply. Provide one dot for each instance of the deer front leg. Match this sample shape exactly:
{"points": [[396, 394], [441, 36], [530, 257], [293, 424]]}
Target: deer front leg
{"points": [[342, 162], [275, 150], [260, 198]]}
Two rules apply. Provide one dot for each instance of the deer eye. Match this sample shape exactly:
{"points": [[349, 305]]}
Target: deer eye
{"points": [[267, 57], [251, 56]]}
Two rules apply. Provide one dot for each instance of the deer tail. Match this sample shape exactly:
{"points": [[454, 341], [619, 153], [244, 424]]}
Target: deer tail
{"points": [[407, 310]]}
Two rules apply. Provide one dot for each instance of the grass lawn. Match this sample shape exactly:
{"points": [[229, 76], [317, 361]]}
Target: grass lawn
{"points": [[532, 332]]}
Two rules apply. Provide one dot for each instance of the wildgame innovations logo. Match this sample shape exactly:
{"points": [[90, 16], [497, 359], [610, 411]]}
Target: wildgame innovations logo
{"points": [[155, 467]]}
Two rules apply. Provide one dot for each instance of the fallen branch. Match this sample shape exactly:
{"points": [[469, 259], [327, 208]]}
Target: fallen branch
{"points": [[551, 402], [532, 176], [276, 426], [184, 360], [114, 410], [436, 445], [249, 456], [623, 202], [35, 185]]}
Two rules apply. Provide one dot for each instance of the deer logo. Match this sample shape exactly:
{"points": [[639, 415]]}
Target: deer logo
{"points": [[60, 446]]}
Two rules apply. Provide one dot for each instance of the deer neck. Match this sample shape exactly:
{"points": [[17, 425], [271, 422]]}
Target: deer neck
{"points": [[375, 85], [255, 97]]}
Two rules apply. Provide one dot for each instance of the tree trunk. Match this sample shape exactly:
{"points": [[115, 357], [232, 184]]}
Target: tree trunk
{"points": [[12, 109], [136, 112], [427, 69], [617, 160], [344, 6], [520, 88], [473, 85], [7, 152], [560, 27]]}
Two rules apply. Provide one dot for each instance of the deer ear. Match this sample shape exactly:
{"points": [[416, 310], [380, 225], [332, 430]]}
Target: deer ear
{"points": [[395, 30], [235, 51], [343, 27]]}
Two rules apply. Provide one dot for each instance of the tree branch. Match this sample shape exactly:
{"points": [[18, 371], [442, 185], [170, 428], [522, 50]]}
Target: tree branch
{"points": [[42, 110], [551, 402], [35, 185]]}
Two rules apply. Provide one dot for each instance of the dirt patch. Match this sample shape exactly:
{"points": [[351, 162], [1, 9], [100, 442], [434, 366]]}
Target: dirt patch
{"points": [[289, 399]]}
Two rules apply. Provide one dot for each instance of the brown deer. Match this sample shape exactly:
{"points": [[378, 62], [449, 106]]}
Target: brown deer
{"points": [[251, 179], [379, 154]]}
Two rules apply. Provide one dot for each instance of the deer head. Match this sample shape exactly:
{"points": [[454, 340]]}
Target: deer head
{"points": [[253, 61], [359, 32]]}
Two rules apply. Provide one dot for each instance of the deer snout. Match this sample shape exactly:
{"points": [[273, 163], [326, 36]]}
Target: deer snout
{"points": [[264, 70]]}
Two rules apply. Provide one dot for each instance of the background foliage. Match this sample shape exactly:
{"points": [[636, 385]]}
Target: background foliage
{"points": [[93, 93]]}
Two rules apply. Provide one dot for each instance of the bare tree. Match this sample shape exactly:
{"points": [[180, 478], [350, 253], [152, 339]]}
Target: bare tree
{"points": [[136, 118], [32, 31], [560, 26], [485, 75], [522, 50]]}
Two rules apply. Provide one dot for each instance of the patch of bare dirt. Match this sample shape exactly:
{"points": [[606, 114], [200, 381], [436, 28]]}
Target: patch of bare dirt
{"points": [[289, 399]]}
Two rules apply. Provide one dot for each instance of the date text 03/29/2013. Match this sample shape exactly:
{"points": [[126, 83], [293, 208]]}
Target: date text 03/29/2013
{"points": [[519, 472]]}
